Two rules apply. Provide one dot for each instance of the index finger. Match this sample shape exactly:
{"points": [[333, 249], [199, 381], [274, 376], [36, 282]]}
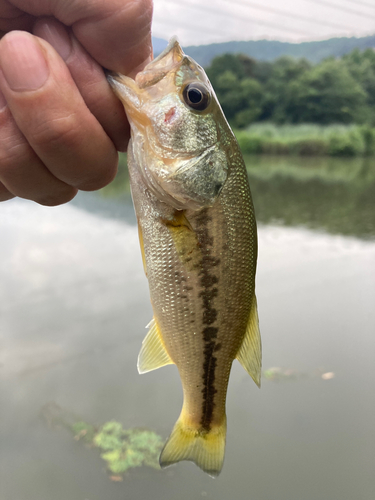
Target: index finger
{"points": [[116, 33]]}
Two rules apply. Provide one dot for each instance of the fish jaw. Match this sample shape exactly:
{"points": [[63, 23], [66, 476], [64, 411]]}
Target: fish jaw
{"points": [[127, 91], [164, 76], [178, 148], [167, 61], [155, 105]]}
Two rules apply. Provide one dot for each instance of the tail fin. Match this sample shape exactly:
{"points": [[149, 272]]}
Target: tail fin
{"points": [[204, 448]]}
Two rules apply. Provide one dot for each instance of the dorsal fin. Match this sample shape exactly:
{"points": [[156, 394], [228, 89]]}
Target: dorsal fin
{"points": [[250, 353], [153, 354]]}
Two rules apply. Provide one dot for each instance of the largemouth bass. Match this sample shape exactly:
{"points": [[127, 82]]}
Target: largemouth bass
{"points": [[198, 237]]}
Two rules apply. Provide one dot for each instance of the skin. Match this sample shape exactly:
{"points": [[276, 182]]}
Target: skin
{"points": [[60, 123]]}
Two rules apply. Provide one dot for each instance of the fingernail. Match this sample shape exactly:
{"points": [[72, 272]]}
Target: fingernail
{"points": [[55, 34], [23, 62], [3, 102]]}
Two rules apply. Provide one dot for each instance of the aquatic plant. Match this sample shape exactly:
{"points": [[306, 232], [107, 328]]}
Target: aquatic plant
{"points": [[83, 430], [122, 449], [128, 448]]}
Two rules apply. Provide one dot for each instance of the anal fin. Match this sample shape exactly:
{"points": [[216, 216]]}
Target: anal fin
{"points": [[250, 353], [153, 354]]}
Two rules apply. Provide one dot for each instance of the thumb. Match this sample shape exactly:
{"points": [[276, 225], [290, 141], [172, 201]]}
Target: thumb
{"points": [[119, 36]]}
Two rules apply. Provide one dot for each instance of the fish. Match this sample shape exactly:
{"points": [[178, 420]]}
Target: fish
{"points": [[198, 238]]}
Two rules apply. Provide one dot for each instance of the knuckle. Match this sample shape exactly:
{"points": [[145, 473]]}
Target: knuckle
{"points": [[4, 193], [13, 151], [101, 176], [62, 131], [59, 197]]}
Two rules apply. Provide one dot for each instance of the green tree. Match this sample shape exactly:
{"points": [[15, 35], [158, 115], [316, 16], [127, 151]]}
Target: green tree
{"points": [[327, 93], [240, 99], [277, 89], [361, 66], [294, 91], [221, 64], [228, 92], [251, 95]]}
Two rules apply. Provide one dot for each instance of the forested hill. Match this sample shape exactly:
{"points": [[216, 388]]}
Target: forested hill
{"points": [[266, 50]]}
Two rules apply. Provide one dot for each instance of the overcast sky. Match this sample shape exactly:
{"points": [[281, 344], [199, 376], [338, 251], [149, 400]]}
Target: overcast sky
{"points": [[197, 22]]}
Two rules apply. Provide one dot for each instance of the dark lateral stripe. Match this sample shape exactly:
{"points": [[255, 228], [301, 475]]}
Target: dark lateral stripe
{"points": [[208, 390], [209, 313], [209, 334]]}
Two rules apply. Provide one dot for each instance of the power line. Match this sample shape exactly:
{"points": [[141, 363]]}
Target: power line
{"points": [[193, 28], [240, 18], [356, 2], [344, 9], [190, 27], [289, 14]]}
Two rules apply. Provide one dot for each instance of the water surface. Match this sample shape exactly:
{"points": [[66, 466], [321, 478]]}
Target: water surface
{"points": [[74, 304]]}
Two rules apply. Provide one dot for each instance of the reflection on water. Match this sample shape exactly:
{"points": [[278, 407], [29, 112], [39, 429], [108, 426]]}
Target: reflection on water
{"points": [[336, 195], [73, 306]]}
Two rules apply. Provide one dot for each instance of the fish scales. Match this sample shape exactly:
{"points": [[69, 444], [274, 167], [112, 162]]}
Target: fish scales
{"points": [[200, 249]]}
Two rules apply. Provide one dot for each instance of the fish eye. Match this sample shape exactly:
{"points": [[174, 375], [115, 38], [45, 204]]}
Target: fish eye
{"points": [[196, 96]]}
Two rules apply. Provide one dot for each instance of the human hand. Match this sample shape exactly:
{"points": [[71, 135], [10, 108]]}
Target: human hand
{"points": [[60, 123]]}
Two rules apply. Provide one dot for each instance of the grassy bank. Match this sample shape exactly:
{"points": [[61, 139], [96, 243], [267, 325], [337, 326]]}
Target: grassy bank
{"points": [[307, 140]]}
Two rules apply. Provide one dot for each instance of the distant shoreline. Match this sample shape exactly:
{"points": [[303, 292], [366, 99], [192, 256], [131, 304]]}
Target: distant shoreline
{"points": [[307, 140], [269, 50]]}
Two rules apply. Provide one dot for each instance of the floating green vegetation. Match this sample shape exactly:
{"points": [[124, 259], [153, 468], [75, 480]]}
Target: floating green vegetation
{"points": [[121, 449], [128, 448], [84, 431], [278, 374]]}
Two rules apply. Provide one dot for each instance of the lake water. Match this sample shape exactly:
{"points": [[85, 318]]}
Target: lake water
{"points": [[73, 308]]}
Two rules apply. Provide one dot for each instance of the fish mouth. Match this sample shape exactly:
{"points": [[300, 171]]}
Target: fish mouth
{"points": [[172, 64], [168, 60], [132, 92], [173, 48], [171, 58]]}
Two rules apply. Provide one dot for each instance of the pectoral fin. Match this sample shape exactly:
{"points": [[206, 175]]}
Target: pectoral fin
{"points": [[153, 354], [250, 353], [185, 240]]}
